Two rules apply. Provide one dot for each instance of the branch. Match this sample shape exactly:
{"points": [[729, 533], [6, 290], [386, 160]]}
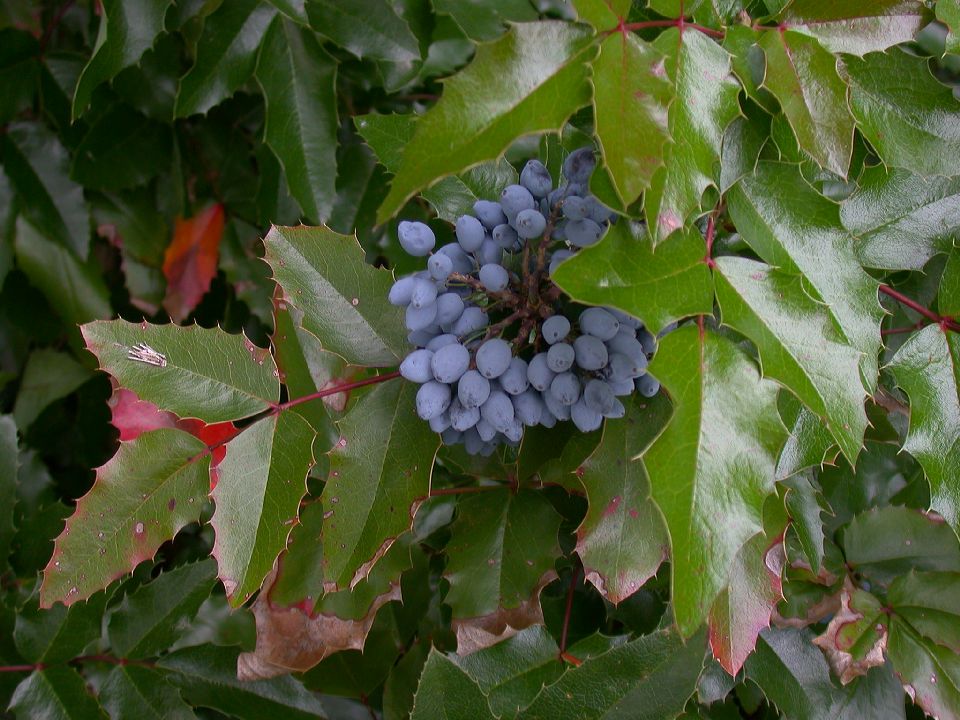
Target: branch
{"points": [[677, 23], [335, 390], [944, 321], [574, 580]]}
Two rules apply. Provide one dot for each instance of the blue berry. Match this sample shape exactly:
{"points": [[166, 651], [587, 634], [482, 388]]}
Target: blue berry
{"points": [[416, 238]]}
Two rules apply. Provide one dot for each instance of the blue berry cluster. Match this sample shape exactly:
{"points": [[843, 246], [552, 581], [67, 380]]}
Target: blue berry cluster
{"points": [[498, 347]]}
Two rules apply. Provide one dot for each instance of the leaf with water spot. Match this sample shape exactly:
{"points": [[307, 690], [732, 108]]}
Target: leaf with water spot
{"points": [[855, 27], [141, 498]]}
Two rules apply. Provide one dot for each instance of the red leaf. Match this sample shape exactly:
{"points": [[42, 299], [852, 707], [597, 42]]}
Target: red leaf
{"points": [[190, 263], [133, 416]]}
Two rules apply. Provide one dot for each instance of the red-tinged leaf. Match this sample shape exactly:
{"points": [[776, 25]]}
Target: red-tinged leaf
{"points": [[133, 417], [743, 610], [622, 539], [141, 498], [190, 263]]}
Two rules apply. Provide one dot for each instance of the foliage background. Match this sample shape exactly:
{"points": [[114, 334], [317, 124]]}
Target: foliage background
{"points": [[148, 145]]}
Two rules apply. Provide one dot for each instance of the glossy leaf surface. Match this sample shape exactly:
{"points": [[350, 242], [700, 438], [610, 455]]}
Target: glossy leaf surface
{"points": [[622, 540], [379, 468], [798, 344], [481, 111], [907, 115], [501, 546], [343, 299], [706, 102], [725, 424], [299, 79], [792, 227], [658, 285], [261, 481], [927, 368]]}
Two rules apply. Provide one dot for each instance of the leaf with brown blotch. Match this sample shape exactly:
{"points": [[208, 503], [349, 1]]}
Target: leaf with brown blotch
{"points": [[290, 639], [476, 633], [856, 638], [190, 263]]}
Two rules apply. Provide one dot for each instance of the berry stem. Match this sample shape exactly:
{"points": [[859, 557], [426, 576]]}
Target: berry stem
{"points": [[568, 610]]}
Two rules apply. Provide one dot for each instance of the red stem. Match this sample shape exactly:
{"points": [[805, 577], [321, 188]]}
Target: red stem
{"points": [[21, 668], [336, 390], [574, 580], [711, 232], [948, 323], [906, 329], [54, 22]]}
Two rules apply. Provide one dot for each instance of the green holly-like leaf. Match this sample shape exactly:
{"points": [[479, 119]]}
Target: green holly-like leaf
{"points": [[799, 345], [851, 26], [501, 546], [622, 540], [142, 496], [901, 220], [485, 20], [511, 673], [948, 12], [927, 368], [705, 103], [479, 114], [379, 468], [906, 114], [37, 166], [343, 299], [805, 80], [810, 444], [929, 671], [631, 93], [226, 55], [127, 30], [930, 602], [56, 693], [806, 506], [452, 196], [207, 676], [142, 692], [261, 481], [151, 618], [553, 455], [299, 80], [9, 465], [793, 674], [447, 691], [299, 580], [790, 226], [658, 285], [647, 679], [48, 376], [713, 465], [890, 541], [367, 28], [191, 371]]}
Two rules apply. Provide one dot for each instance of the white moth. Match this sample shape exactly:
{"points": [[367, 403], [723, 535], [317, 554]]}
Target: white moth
{"points": [[141, 352]]}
